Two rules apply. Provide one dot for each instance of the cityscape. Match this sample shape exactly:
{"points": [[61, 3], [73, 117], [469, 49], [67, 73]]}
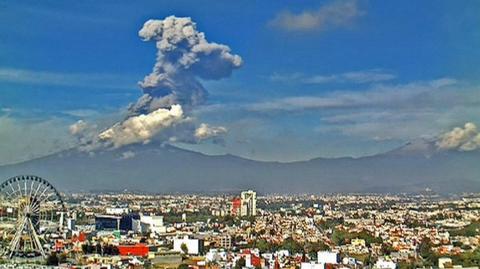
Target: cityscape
{"points": [[239, 230], [204, 134]]}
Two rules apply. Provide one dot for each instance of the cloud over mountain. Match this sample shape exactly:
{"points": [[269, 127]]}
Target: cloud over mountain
{"points": [[464, 138], [205, 131], [142, 128]]}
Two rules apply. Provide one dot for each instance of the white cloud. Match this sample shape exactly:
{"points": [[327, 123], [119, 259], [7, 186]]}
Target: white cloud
{"points": [[142, 128], [464, 138], [82, 113], [77, 127], [94, 80], [205, 131], [22, 139], [356, 77], [276, 77], [382, 125], [127, 155], [338, 13], [392, 113], [390, 96]]}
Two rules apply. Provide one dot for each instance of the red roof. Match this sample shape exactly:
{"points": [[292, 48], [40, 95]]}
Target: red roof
{"points": [[80, 238], [133, 250]]}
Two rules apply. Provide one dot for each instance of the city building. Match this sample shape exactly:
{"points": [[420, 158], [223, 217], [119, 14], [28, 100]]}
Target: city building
{"points": [[115, 222], [249, 203], [133, 250], [117, 210], [223, 241], [107, 222], [70, 224], [149, 224], [384, 264], [236, 206], [194, 246], [328, 257]]}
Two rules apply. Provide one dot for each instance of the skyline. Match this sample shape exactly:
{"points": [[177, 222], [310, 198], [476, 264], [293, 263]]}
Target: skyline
{"points": [[329, 79]]}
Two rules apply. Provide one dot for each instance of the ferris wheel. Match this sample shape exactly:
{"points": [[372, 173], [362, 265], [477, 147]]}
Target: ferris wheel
{"points": [[30, 209]]}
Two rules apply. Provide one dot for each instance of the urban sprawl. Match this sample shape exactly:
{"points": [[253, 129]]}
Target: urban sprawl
{"points": [[249, 230]]}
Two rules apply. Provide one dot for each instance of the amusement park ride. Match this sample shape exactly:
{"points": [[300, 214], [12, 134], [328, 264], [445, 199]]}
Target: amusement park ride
{"points": [[31, 211]]}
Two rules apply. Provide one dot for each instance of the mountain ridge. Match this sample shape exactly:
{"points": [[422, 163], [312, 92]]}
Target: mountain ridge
{"points": [[157, 168]]}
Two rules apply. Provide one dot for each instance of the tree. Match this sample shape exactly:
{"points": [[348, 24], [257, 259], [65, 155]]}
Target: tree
{"points": [[62, 258], [338, 237], [292, 246], [426, 252], [469, 230], [85, 248], [369, 239], [313, 247], [110, 250], [98, 248], [52, 259], [184, 248], [262, 245], [406, 265], [240, 263]]}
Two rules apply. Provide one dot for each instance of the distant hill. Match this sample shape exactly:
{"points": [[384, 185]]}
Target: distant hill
{"points": [[160, 169]]}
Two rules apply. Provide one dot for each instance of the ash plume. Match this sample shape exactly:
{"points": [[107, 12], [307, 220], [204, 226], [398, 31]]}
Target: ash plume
{"points": [[184, 56], [170, 91]]}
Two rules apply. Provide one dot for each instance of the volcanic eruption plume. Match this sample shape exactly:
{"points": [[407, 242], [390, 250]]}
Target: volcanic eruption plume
{"points": [[184, 56], [173, 88]]}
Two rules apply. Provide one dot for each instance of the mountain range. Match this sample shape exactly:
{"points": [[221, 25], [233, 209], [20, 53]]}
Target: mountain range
{"points": [[159, 168]]}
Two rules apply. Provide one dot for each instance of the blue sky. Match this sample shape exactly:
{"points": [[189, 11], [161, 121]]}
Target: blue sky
{"points": [[319, 78]]}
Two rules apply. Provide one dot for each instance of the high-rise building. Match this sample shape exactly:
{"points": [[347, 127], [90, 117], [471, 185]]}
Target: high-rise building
{"points": [[70, 224], [249, 203]]}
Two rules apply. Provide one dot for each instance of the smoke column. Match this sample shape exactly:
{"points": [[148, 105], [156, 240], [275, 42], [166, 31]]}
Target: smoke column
{"points": [[184, 56]]}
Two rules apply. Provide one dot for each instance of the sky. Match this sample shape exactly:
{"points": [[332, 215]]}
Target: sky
{"points": [[291, 80]]}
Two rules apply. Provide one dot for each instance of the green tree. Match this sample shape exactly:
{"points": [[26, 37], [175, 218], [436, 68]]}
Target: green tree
{"points": [[406, 265], [338, 237], [263, 245], [472, 229], [52, 259], [292, 246], [240, 263], [183, 266], [62, 258], [369, 239], [184, 248], [470, 258], [428, 255], [313, 247]]}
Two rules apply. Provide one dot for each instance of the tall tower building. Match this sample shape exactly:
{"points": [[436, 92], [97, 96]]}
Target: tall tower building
{"points": [[249, 203]]}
